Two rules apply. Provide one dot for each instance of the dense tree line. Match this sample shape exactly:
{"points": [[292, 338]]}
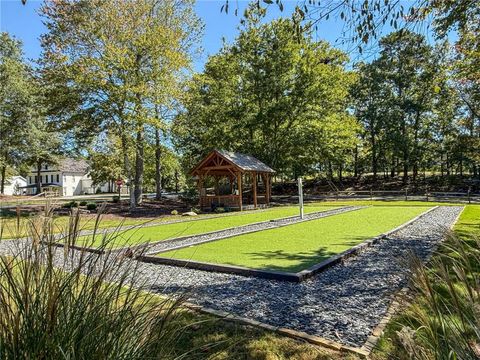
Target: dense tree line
{"points": [[113, 84], [291, 101], [272, 94]]}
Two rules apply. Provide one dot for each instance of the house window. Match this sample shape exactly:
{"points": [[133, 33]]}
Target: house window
{"points": [[58, 178], [51, 178], [46, 167], [36, 178], [29, 179]]}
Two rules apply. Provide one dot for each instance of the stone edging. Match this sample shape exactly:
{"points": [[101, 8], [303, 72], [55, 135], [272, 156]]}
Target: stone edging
{"points": [[272, 274], [395, 305]]}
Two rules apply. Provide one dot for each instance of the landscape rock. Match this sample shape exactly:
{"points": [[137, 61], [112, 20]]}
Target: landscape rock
{"points": [[190, 213]]}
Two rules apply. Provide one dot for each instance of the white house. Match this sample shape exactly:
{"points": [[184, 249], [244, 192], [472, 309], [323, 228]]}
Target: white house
{"points": [[14, 185], [70, 177]]}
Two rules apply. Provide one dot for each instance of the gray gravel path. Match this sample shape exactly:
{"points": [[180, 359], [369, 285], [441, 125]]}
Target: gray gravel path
{"points": [[343, 303]]}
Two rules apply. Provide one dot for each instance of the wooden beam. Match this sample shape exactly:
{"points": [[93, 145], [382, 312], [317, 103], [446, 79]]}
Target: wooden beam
{"points": [[219, 167], [200, 186], [254, 176], [267, 188], [239, 186]]}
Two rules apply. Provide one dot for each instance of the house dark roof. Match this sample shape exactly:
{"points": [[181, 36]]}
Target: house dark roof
{"points": [[73, 165], [245, 162]]}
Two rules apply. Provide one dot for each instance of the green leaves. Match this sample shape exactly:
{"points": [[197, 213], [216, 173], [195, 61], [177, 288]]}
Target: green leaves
{"points": [[270, 94]]}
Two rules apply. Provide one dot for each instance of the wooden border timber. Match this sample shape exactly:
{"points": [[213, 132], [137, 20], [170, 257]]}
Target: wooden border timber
{"points": [[294, 334], [272, 274]]}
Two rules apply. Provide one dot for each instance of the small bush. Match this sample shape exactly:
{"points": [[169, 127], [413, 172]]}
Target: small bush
{"points": [[219, 210], [195, 210], [83, 203], [116, 199], [91, 206], [71, 204], [174, 212]]}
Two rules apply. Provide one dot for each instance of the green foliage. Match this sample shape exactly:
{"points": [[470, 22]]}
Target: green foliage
{"points": [[47, 312], [116, 199], [83, 203], [91, 206], [174, 212], [109, 66], [280, 97]]}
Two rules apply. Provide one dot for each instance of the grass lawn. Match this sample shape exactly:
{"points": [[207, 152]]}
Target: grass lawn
{"points": [[184, 228], [10, 229], [296, 247]]}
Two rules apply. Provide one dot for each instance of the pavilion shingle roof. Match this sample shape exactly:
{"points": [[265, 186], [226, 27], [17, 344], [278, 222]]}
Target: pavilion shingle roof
{"points": [[245, 162]]}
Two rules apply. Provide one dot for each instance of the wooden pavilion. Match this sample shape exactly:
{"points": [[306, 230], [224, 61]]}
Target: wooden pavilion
{"points": [[234, 180]]}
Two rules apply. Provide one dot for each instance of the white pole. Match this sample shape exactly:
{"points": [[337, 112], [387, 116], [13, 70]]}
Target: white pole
{"points": [[300, 196]]}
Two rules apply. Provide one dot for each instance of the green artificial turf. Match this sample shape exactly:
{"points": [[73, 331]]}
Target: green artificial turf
{"points": [[168, 231], [296, 247]]}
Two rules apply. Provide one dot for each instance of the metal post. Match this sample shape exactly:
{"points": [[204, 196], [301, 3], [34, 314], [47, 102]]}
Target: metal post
{"points": [[300, 196]]}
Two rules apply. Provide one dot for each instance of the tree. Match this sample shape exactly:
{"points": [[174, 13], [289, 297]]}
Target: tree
{"points": [[395, 100], [271, 94], [15, 105], [110, 63]]}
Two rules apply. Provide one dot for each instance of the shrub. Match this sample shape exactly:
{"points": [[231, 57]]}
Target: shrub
{"points": [[71, 204], [83, 203], [58, 306], [174, 212], [116, 199], [91, 206], [442, 323], [219, 210]]}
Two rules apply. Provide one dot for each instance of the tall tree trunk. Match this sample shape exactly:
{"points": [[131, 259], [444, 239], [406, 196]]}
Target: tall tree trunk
{"points": [[374, 155], [2, 184], [405, 152], [355, 162], [158, 166], [138, 180], [39, 179], [392, 169], [176, 181], [126, 161], [330, 171]]}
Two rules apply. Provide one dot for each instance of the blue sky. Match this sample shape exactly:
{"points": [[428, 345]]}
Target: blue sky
{"points": [[24, 23]]}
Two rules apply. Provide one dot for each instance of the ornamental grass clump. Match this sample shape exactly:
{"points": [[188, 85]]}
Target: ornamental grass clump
{"points": [[444, 320], [61, 303]]}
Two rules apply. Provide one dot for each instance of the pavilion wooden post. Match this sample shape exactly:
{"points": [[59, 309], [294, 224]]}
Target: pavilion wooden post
{"points": [[254, 178], [267, 188], [239, 186], [200, 186]]}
